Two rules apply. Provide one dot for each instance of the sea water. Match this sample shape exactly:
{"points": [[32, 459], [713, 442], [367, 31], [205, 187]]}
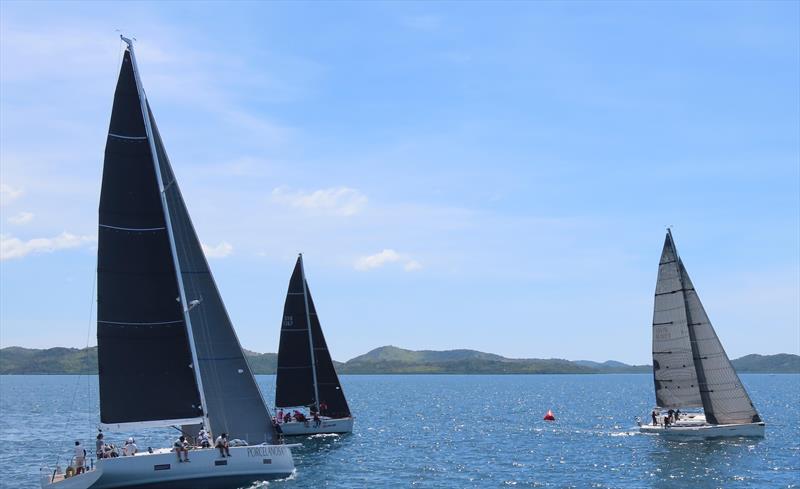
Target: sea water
{"points": [[452, 431]]}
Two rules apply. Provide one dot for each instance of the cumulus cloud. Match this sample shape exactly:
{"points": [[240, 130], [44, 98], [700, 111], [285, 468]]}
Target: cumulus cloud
{"points": [[378, 260], [11, 247], [21, 218], [219, 251], [8, 193], [341, 201]]}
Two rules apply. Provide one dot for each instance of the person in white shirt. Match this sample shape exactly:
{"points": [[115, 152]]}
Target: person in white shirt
{"points": [[203, 439], [80, 458], [130, 447], [181, 446], [222, 444]]}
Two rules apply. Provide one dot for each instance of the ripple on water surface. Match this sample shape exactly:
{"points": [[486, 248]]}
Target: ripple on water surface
{"points": [[458, 431]]}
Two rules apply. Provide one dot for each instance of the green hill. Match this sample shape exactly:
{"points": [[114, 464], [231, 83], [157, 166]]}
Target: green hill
{"points": [[385, 360], [782, 363]]}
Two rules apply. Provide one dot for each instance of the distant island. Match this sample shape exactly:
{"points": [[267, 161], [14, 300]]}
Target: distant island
{"points": [[16, 360]]}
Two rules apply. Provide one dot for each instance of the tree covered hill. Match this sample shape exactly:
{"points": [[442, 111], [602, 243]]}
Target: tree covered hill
{"points": [[385, 360]]}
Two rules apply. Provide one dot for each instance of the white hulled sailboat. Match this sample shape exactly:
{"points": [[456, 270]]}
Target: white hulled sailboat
{"points": [[690, 367], [306, 377], [167, 352]]}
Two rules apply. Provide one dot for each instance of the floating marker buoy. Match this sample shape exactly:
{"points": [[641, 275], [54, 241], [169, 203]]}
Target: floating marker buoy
{"points": [[549, 416]]}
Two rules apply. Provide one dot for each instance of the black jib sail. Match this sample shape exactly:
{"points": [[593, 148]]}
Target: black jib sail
{"points": [[306, 375]]}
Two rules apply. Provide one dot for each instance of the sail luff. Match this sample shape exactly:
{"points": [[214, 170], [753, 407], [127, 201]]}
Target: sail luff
{"points": [[170, 232], [310, 335]]}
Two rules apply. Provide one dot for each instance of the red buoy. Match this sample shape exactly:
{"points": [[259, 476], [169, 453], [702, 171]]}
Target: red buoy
{"points": [[549, 416]]}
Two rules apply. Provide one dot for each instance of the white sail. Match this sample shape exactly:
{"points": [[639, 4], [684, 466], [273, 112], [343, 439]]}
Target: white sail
{"points": [[674, 372]]}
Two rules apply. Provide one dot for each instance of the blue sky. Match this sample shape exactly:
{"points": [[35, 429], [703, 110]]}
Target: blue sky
{"points": [[494, 176]]}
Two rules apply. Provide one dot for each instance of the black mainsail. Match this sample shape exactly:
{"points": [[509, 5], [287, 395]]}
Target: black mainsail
{"points": [[306, 375], [151, 263], [680, 321], [144, 357]]}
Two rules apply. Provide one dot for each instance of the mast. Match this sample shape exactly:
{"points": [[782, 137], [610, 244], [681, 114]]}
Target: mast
{"points": [[310, 336], [173, 249]]}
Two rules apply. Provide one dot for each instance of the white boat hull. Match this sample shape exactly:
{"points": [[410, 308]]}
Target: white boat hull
{"points": [[206, 470], [327, 425], [749, 430]]}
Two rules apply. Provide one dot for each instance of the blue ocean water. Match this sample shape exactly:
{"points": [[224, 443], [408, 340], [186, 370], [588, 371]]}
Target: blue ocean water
{"points": [[450, 431]]}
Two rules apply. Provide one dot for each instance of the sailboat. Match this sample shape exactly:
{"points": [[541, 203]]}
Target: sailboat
{"points": [[306, 377], [167, 351], [690, 367]]}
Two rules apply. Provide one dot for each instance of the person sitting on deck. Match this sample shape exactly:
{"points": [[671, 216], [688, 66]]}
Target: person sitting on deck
{"points": [[130, 447], [202, 438], [298, 416], [222, 445], [181, 446], [287, 418], [323, 408], [80, 457]]}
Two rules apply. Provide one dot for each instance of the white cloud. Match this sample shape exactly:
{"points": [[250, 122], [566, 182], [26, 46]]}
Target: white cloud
{"points": [[219, 251], [340, 201], [11, 247], [21, 218], [378, 260], [9, 193]]}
